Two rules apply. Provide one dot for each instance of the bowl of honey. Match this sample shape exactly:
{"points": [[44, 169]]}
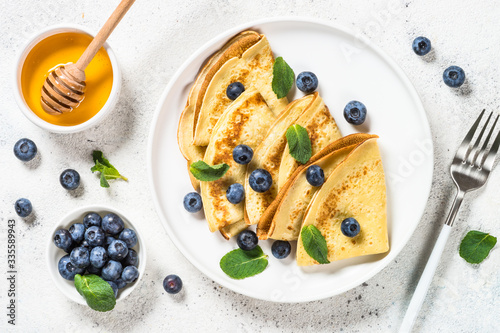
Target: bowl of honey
{"points": [[55, 46]]}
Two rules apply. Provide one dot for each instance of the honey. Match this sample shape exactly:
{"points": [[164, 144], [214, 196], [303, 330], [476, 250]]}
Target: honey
{"points": [[57, 50]]}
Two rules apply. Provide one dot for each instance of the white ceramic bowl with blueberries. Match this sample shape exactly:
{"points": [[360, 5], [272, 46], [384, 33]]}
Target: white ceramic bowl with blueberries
{"points": [[92, 239]]}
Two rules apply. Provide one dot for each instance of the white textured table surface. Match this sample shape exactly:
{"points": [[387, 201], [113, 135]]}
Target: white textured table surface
{"points": [[153, 40]]}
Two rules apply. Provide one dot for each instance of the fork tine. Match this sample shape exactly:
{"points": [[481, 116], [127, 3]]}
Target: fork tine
{"points": [[490, 158], [464, 149], [485, 144], [475, 148]]}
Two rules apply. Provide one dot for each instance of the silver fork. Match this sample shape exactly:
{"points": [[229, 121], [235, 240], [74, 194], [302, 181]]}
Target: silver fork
{"points": [[470, 169]]}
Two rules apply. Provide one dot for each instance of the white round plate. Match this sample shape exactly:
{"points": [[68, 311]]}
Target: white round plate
{"points": [[347, 69]]}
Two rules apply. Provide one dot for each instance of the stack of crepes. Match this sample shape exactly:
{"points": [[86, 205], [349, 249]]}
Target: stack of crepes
{"points": [[212, 125]]}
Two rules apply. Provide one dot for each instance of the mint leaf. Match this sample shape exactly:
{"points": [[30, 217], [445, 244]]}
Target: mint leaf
{"points": [[97, 292], [299, 144], [107, 170], [239, 264], [283, 78], [206, 173], [315, 244], [476, 246]]}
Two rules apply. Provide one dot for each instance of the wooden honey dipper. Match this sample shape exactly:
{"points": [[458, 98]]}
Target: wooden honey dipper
{"points": [[64, 87]]}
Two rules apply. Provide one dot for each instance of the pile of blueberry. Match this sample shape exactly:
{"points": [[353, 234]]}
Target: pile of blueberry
{"points": [[100, 246]]}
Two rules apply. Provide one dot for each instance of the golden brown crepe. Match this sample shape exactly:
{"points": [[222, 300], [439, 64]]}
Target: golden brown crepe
{"points": [[356, 189], [245, 121]]}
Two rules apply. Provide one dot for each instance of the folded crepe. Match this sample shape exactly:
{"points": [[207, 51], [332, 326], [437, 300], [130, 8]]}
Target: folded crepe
{"points": [[283, 218], [322, 130], [309, 112], [253, 68], [245, 121], [185, 132], [234, 229], [356, 189]]}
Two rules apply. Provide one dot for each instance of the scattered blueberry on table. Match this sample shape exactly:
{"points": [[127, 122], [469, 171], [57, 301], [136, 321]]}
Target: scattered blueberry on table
{"points": [[350, 227], [281, 249], [242, 154], [315, 175], [421, 45], [23, 207], [247, 240], [307, 82], [192, 202], [235, 193], [172, 284], [25, 149], [234, 90], [454, 76], [260, 180], [69, 179], [355, 113]]}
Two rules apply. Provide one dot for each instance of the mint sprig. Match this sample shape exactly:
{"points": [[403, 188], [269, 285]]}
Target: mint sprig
{"points": [[299, 144], [207, 173], [283, 78], [476, 246], [315, 244], [107, 170], [97, 292], [239, 264]]}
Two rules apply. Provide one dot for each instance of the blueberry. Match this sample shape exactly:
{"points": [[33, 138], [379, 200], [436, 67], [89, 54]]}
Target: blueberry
{"points": [[421, 45], [112, 224], [93, 270], [132, 259], [92, 219], [454, 76], [77, 232], [242, 154], [63, 240], [23, 207], [109, 240], [172, 284], [25, 149], [247, 240], [260, 180], [85, 243], [67, 269], [80, 257], [120, 283], [307, 82], [95, 236], [129, 237], [315, 175], [111, 271], [235, 193], [234, 90], [350, 227], [192, 202], [355, 113], [114, 287], [69, 179], [117, 250], [281, 249], [130, 274], [98, 257]]}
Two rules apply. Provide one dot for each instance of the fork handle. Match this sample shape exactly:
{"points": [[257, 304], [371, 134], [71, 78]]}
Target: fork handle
{"points": [[425, 280]]}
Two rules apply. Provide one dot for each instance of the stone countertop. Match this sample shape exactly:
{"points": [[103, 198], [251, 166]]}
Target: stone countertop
{"points": [[152, 41]]}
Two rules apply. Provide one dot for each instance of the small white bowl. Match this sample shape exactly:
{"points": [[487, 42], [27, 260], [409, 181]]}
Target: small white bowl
{"points": [[54, 253], [18, 94]]}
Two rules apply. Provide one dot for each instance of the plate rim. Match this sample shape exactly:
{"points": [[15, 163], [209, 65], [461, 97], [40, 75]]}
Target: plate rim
{"points": [[391, 255]]}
